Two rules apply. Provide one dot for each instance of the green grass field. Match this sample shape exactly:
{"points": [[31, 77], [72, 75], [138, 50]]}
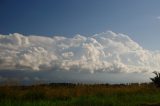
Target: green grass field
{"points": [[80, 95]]}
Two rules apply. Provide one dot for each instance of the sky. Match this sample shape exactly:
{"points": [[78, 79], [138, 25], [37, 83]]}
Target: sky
{"points": [[79, 40], [137, 18]]}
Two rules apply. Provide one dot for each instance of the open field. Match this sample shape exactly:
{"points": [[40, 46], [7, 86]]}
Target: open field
{"points": [[80, 95]]}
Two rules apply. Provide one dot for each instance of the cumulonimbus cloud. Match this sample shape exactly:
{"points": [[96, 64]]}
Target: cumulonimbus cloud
{"points": [[107, 52]]}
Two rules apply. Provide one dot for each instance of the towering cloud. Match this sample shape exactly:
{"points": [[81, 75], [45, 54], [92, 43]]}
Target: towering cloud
{"points": [[104, 52]]}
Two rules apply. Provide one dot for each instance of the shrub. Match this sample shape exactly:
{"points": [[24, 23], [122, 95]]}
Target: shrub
{"points": [[156, 79]]}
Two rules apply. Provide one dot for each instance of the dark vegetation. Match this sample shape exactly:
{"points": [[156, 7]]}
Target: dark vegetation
{"points": [[156, 79], [68, 94]]}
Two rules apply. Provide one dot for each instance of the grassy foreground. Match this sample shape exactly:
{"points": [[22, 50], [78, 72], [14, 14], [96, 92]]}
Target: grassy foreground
{"points": [[80, 95]]}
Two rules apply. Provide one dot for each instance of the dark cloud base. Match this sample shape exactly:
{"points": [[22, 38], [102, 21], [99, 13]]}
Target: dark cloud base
{"points": [[29, 77]]}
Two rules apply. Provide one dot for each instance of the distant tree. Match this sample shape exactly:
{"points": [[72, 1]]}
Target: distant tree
{"points": [[156, 79]]}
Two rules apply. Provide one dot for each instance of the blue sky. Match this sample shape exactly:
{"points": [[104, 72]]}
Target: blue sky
{"points": [[136, 18]]}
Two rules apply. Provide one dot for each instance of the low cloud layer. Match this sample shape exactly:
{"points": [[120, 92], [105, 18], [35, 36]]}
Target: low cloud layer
{"points": [[104, 52]]}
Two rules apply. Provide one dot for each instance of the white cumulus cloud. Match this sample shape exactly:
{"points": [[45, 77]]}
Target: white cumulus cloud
{"points": [[104, 52]]}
